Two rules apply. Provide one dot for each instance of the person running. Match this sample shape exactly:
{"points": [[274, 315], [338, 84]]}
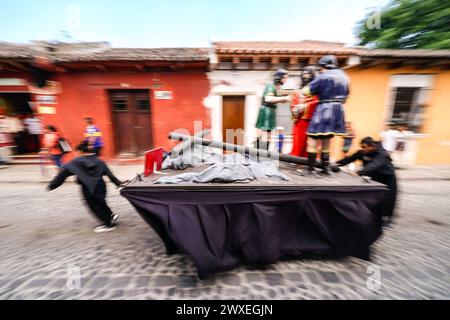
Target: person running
{"points": [[348, 138], [89, 170]]}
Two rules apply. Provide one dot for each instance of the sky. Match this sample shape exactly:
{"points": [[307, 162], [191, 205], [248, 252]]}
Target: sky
{"points": [[181, 23]]}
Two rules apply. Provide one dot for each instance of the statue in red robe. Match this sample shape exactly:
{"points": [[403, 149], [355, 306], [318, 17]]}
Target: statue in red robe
{"points": [[303, 105]]}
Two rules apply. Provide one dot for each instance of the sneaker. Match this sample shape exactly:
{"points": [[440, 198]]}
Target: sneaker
{"points": [[386, 223], [114, 219], [104, 229]]}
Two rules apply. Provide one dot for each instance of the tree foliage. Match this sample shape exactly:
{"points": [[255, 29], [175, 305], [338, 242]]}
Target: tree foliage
{"points": [[407, 24]]}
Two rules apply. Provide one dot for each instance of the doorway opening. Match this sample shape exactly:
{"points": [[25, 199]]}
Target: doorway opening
{"points": [[131, 117], [233, 108]]}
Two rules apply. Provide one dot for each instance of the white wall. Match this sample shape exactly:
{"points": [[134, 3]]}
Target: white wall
{"points": [[250, 84]]}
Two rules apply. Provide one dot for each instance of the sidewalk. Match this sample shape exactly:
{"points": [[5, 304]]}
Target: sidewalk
{"points": [[32, 173]]}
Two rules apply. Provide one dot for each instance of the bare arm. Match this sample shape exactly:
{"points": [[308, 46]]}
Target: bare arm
{"points": [[273, 99]]}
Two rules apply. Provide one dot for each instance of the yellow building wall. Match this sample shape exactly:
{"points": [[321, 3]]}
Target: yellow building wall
{"points": [[435, 148], [367, 106]]}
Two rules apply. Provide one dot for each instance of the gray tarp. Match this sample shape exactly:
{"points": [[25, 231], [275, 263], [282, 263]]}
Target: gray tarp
{"points": [[224, 168]]}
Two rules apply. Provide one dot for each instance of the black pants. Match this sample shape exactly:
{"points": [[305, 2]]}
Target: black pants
{"points": [[98, 206], [391, 183]]}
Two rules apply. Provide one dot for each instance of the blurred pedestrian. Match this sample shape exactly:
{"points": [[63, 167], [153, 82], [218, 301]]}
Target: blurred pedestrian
{"points": [[18, 131], [348, 138], [6, 139], [402, 147], [377, 164], [34, 128], [389, 138], [93, 136], [89, 170], [50, 146]]}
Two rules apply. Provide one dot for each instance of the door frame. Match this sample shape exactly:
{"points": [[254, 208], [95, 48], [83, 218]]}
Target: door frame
{"points": [[133, 115]]}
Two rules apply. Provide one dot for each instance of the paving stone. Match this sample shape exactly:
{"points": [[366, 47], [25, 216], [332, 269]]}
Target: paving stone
{"points": [[171, 292], [254, 277], [329, 276], [166, 281], [142, 281], [97, 283], [187, 281], [312, 276], [231, 279], [295, 277], [58, 284], [54, 295], [274, 279], [119, 283], [38, 283]]}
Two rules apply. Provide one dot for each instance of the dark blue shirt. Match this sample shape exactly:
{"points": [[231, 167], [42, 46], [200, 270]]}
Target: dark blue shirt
{"points": [[331, 85]]}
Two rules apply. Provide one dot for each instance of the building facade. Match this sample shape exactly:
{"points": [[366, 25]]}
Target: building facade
{"points": [[138, 96], [135, 96], [387, 86]]}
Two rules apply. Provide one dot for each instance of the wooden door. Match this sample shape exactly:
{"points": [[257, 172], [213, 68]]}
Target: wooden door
{"points": [[142, 121], [131, 121], [233, 118]]}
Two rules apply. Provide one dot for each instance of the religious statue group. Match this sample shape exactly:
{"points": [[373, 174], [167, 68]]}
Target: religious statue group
{"points": [[317, 110]]}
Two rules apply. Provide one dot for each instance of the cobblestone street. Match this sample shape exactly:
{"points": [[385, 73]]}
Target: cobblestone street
{"points": [[46, 237]]}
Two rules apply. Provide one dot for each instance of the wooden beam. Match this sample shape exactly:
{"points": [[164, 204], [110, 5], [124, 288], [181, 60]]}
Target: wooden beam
{"points": [[60, 69], [7, 67], [15, 64], [312, 60], [433, 64], [373, 63], [139, 67], [395, 65], [178, 66], [100, 67]]}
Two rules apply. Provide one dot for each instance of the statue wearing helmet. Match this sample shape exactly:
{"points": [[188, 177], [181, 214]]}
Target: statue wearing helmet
{"points": [[332, 88]]}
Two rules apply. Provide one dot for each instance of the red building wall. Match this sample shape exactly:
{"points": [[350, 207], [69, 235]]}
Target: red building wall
{"points": [[86, 93]]}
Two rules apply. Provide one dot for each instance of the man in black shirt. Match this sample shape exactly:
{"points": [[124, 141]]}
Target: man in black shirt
{"points": [[377, 164], [89, 171]]}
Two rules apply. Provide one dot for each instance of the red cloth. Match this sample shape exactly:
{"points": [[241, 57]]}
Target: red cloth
{"points": [[153, 157], [301, 125]]}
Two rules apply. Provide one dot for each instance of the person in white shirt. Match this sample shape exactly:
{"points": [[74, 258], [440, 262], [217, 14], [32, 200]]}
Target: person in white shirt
{"points": [[405, 135], [6, 139], [389, 138], [34, 128]]}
